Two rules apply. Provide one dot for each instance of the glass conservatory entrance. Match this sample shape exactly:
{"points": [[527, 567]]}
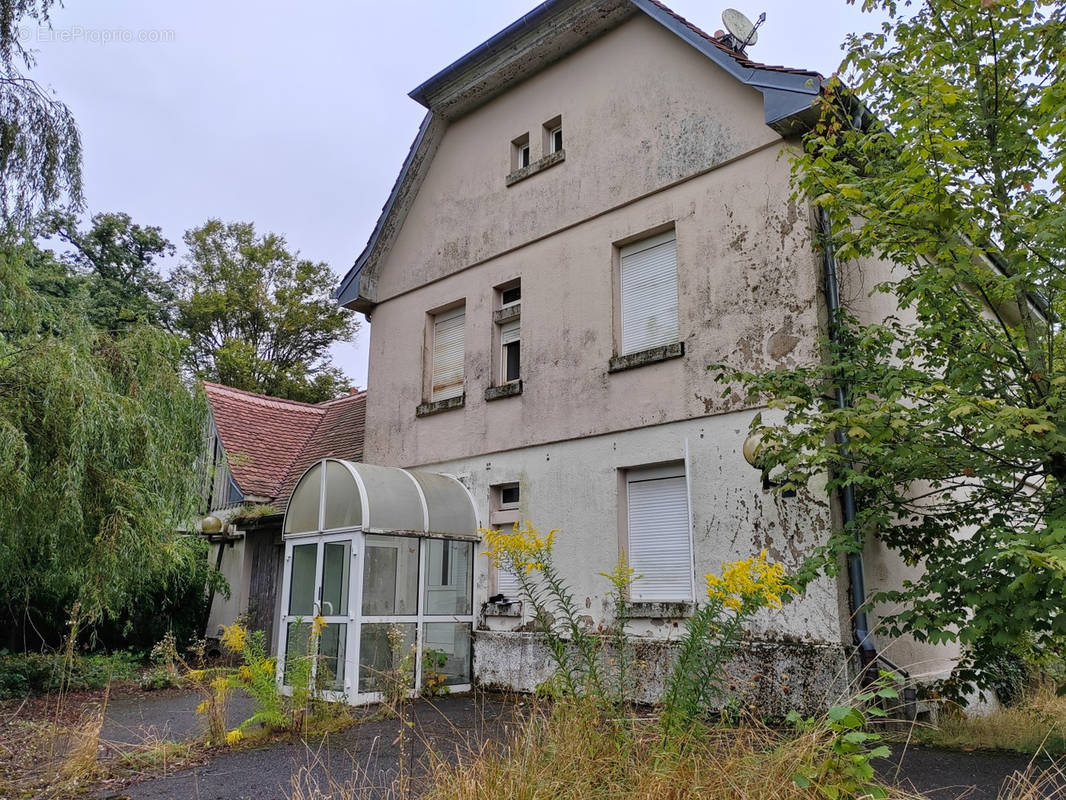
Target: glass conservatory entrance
{"points": [[378, 578]]}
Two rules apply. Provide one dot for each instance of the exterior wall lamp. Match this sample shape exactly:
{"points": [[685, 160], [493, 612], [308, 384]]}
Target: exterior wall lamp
{"points": [[753, 449]]}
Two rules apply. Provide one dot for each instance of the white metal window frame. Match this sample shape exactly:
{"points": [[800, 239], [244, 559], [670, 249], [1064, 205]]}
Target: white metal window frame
{"points": [[510, 333], [642, 475], [634, 298], [552, 131], [355, 619]]}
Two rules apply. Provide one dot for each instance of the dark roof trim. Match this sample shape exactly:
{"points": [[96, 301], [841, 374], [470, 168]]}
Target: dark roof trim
{"points": [[787, 104], [348, 291], [487, 49]]}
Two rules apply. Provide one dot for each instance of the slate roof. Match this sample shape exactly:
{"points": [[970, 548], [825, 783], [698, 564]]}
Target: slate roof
{"points": [[743, 60], [270, 442]]}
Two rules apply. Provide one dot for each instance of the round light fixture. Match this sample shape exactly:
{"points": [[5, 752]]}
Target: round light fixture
{"points": [[752, 449]]}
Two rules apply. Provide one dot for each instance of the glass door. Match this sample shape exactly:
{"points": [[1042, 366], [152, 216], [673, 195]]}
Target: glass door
{"points": [[317, 614]]}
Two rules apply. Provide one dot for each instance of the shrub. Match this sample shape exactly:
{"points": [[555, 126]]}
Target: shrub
{"points": [[23, 674]]}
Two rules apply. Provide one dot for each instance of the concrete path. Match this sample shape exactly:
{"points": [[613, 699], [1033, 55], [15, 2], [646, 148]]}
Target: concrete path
{"points": [[368, 755], [168, 714]]}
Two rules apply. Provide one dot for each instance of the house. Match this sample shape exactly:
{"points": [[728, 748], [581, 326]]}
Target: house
{"points": [[596, 207], [258, 446]]}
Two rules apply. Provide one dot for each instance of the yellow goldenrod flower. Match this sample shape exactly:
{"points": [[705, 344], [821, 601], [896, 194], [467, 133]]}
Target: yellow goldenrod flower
{"points": [[244, 673], [234, 637], [234, 736], [203, 707], [522, 551], [749, 584], [318, 624]]}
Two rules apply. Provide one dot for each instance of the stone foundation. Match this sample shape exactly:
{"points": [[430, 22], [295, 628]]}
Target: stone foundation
{"points": [[771, 677]]}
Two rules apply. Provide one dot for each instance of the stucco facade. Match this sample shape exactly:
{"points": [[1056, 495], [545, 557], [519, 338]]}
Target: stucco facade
{"points": [[657, 137]]}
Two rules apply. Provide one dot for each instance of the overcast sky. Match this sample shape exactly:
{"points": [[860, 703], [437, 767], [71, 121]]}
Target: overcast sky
{"points": [[296, 116]]}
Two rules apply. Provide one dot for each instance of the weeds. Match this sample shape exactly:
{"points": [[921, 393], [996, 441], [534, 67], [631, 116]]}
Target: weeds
{"points": [[1037, 723]]}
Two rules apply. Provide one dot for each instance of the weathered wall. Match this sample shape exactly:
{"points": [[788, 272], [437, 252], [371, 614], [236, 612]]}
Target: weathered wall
{"points": [[640, 109], [747, 295], [574, 486], [774, 677], [236, 570], [884, 568]]}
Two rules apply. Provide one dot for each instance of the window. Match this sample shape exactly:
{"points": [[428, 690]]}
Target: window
{"points": [[648, 288], [553, 135], [508, 331], [504, 501], [510, 296], [510, 357], [509, 495], [447, 354], [520, 155], [660, 540]]}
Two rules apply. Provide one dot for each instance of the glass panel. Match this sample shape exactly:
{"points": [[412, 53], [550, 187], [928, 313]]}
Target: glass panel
{"points": [[337, 558], [302, 514], [343, 507], [302, 580], [297, 663], [449, 576], [378, 656], [450, 510], [331, 648], [393, 498], [446, 651], [390, 576]]}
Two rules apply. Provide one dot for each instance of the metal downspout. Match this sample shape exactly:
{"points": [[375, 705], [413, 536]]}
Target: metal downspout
{"points": [[856, 576]]}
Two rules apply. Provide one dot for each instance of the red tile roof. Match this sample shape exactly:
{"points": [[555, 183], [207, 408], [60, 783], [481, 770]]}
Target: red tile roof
{"points": [[269, 441], [743, 60]]}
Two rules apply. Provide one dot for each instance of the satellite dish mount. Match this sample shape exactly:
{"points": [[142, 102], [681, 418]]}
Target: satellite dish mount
{"points": [[741, 31]]}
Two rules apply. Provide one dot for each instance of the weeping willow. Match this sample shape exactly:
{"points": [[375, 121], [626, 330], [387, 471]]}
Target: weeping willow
{"points": [[99, 441]]}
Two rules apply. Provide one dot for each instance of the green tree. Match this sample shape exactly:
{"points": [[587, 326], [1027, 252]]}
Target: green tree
{"points": [[259, 317], [40, 146], [955, 436], [117, 258], [99, 443]]}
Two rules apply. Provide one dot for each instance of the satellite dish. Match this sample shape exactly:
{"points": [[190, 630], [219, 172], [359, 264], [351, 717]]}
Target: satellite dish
{"points": [[740, 27]]}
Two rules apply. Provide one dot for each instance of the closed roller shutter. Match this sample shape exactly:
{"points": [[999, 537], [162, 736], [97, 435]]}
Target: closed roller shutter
{"points": [[659, 538], [649, 293], [448, 354]]}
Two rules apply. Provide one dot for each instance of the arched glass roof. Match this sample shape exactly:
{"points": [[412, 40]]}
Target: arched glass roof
{"points": [[335, 494]]}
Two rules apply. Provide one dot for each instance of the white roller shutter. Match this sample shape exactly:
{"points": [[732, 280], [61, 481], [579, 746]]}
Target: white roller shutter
{"points": [[649, 293], [659, 538], [510, 332], [507, 584], [448, 354]]}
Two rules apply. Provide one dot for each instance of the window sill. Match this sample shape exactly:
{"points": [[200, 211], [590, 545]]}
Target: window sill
{"points": [[436, 407], [661, 610], [549, 160], [652, 355], [502, 315], [503, 609], [507, 390]]}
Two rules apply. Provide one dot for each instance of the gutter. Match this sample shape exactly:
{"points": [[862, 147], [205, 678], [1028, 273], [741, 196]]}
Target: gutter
{"points": [[856, 575]]}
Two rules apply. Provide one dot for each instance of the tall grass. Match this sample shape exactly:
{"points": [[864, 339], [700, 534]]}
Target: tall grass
{"points": [[1036, 724], [572, 751]]}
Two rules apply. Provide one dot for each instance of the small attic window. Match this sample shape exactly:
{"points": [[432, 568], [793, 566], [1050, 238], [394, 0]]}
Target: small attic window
{"points": [[553, 135], [520, 154]]}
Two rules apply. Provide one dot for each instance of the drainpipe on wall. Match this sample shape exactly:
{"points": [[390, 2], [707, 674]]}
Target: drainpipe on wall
{"points": [[857, 581]]}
